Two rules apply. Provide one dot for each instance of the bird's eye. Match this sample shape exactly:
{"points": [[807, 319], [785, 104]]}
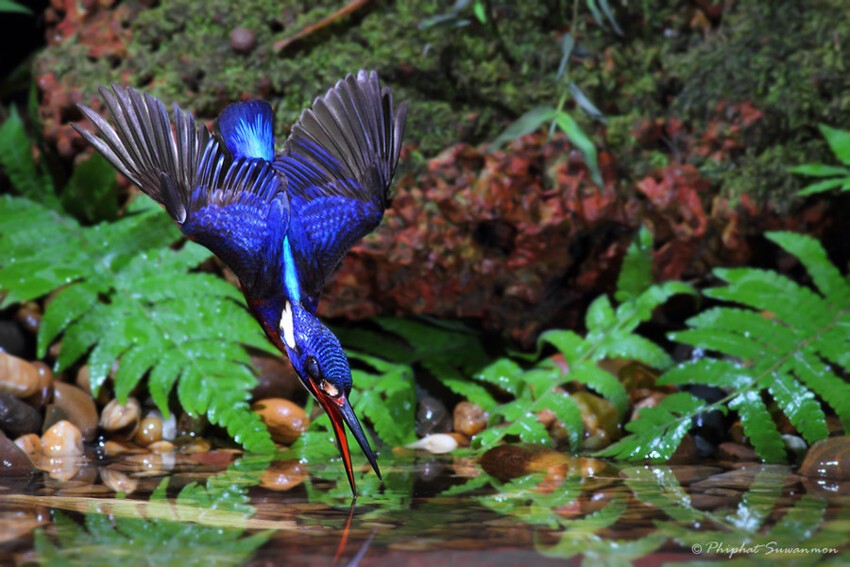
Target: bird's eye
{"points": [[312, 367]]}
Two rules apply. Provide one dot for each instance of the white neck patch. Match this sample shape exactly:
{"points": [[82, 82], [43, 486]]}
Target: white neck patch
{"points": [[286, 326]]}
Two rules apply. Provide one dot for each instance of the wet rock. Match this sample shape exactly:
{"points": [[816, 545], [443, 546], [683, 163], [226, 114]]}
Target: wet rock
{"points": [[61, 469], [686, 452], [599, 417], [83, 383], [17, 376], [53, 414], [469, 419], [432, 417], [286, 421], [169, 428], [13, 341], [62, 440], [828, 459], [438, 443], [112, 448], [150, 431], [161, 447], [466, 468], [118, 481], [190, 426], [44, 391], [29, 316], [30, 444], [737, 452], [121, 421], [16, 417], [284, 475], [275, 378], [194, 446], [78, 406], [13, 461], [243, 40], [511, 461]]}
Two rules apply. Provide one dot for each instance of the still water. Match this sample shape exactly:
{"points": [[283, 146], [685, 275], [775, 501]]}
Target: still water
{"points": [[226, 509]]}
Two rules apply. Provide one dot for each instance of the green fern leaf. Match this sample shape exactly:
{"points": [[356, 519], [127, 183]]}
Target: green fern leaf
{"points": [[16, 158], [658, 430], [799, 404], [759, 426], [126, 296], [636, 274], [565, 409]]}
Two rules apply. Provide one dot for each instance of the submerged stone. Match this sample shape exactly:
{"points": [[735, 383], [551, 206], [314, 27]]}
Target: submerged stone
{"points": [[828, 459]]}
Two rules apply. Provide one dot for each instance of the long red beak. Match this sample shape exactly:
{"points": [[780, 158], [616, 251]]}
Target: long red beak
{"points": [[342, 414]]}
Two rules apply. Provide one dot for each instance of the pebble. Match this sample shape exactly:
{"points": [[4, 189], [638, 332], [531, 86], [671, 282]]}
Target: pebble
{"points": [[469, 419], [44, 390], [150, 431], [511, 461], [828, 459], [284, 475], [30, 444], [63, 439], [119, 420], [732, 451], [275, 378], [438, 443], [12, 338], [29, 316], [432, 417], [14, 462], [599, 418], [17, 376], [243, 40], [286, 420], [16, 417], [161, 447], [118, 481], [78, 406]]}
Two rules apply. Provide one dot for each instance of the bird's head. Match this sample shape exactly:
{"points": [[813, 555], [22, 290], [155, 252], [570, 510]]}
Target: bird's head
{"points": [[323, 368]]}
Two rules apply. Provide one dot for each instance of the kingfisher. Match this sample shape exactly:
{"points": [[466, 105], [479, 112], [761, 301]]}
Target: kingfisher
{"points": [[281, 221]]}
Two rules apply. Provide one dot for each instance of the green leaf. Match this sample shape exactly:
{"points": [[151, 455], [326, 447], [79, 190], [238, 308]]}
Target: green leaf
{"points": [[820, 170], [125, 296], [824, 186], [759, 426], [636, 274], [839, 142], [568, 43], [503, 373], [90, 193], [529, 122], [9, 6], [16, 158], [479, 8], [565, 409], [580, 140]]}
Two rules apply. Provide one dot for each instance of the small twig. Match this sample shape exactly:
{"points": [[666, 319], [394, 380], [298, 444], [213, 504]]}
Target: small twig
{"points": [[352, 6]]}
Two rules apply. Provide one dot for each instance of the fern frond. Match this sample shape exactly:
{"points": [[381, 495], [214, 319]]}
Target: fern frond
{"points": [[783, 346], [636, 273], [126, 296]]}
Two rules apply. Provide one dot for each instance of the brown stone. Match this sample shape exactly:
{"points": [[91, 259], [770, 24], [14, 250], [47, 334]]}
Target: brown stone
{"points": [[469, 419], [286, 421], [17, 376], [62, 440], [828, 459], [78, 406], [284, 475]]}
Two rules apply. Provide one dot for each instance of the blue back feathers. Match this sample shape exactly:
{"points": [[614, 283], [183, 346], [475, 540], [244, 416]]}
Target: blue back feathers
{"points": [[246, 128]]}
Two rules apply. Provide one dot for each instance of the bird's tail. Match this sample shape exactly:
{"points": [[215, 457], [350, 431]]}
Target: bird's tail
{"points": [[142, 147]]}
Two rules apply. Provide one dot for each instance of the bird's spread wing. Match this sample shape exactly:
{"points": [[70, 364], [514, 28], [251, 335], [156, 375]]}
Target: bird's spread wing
{"points": [[229, 200], [338, 163]]}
